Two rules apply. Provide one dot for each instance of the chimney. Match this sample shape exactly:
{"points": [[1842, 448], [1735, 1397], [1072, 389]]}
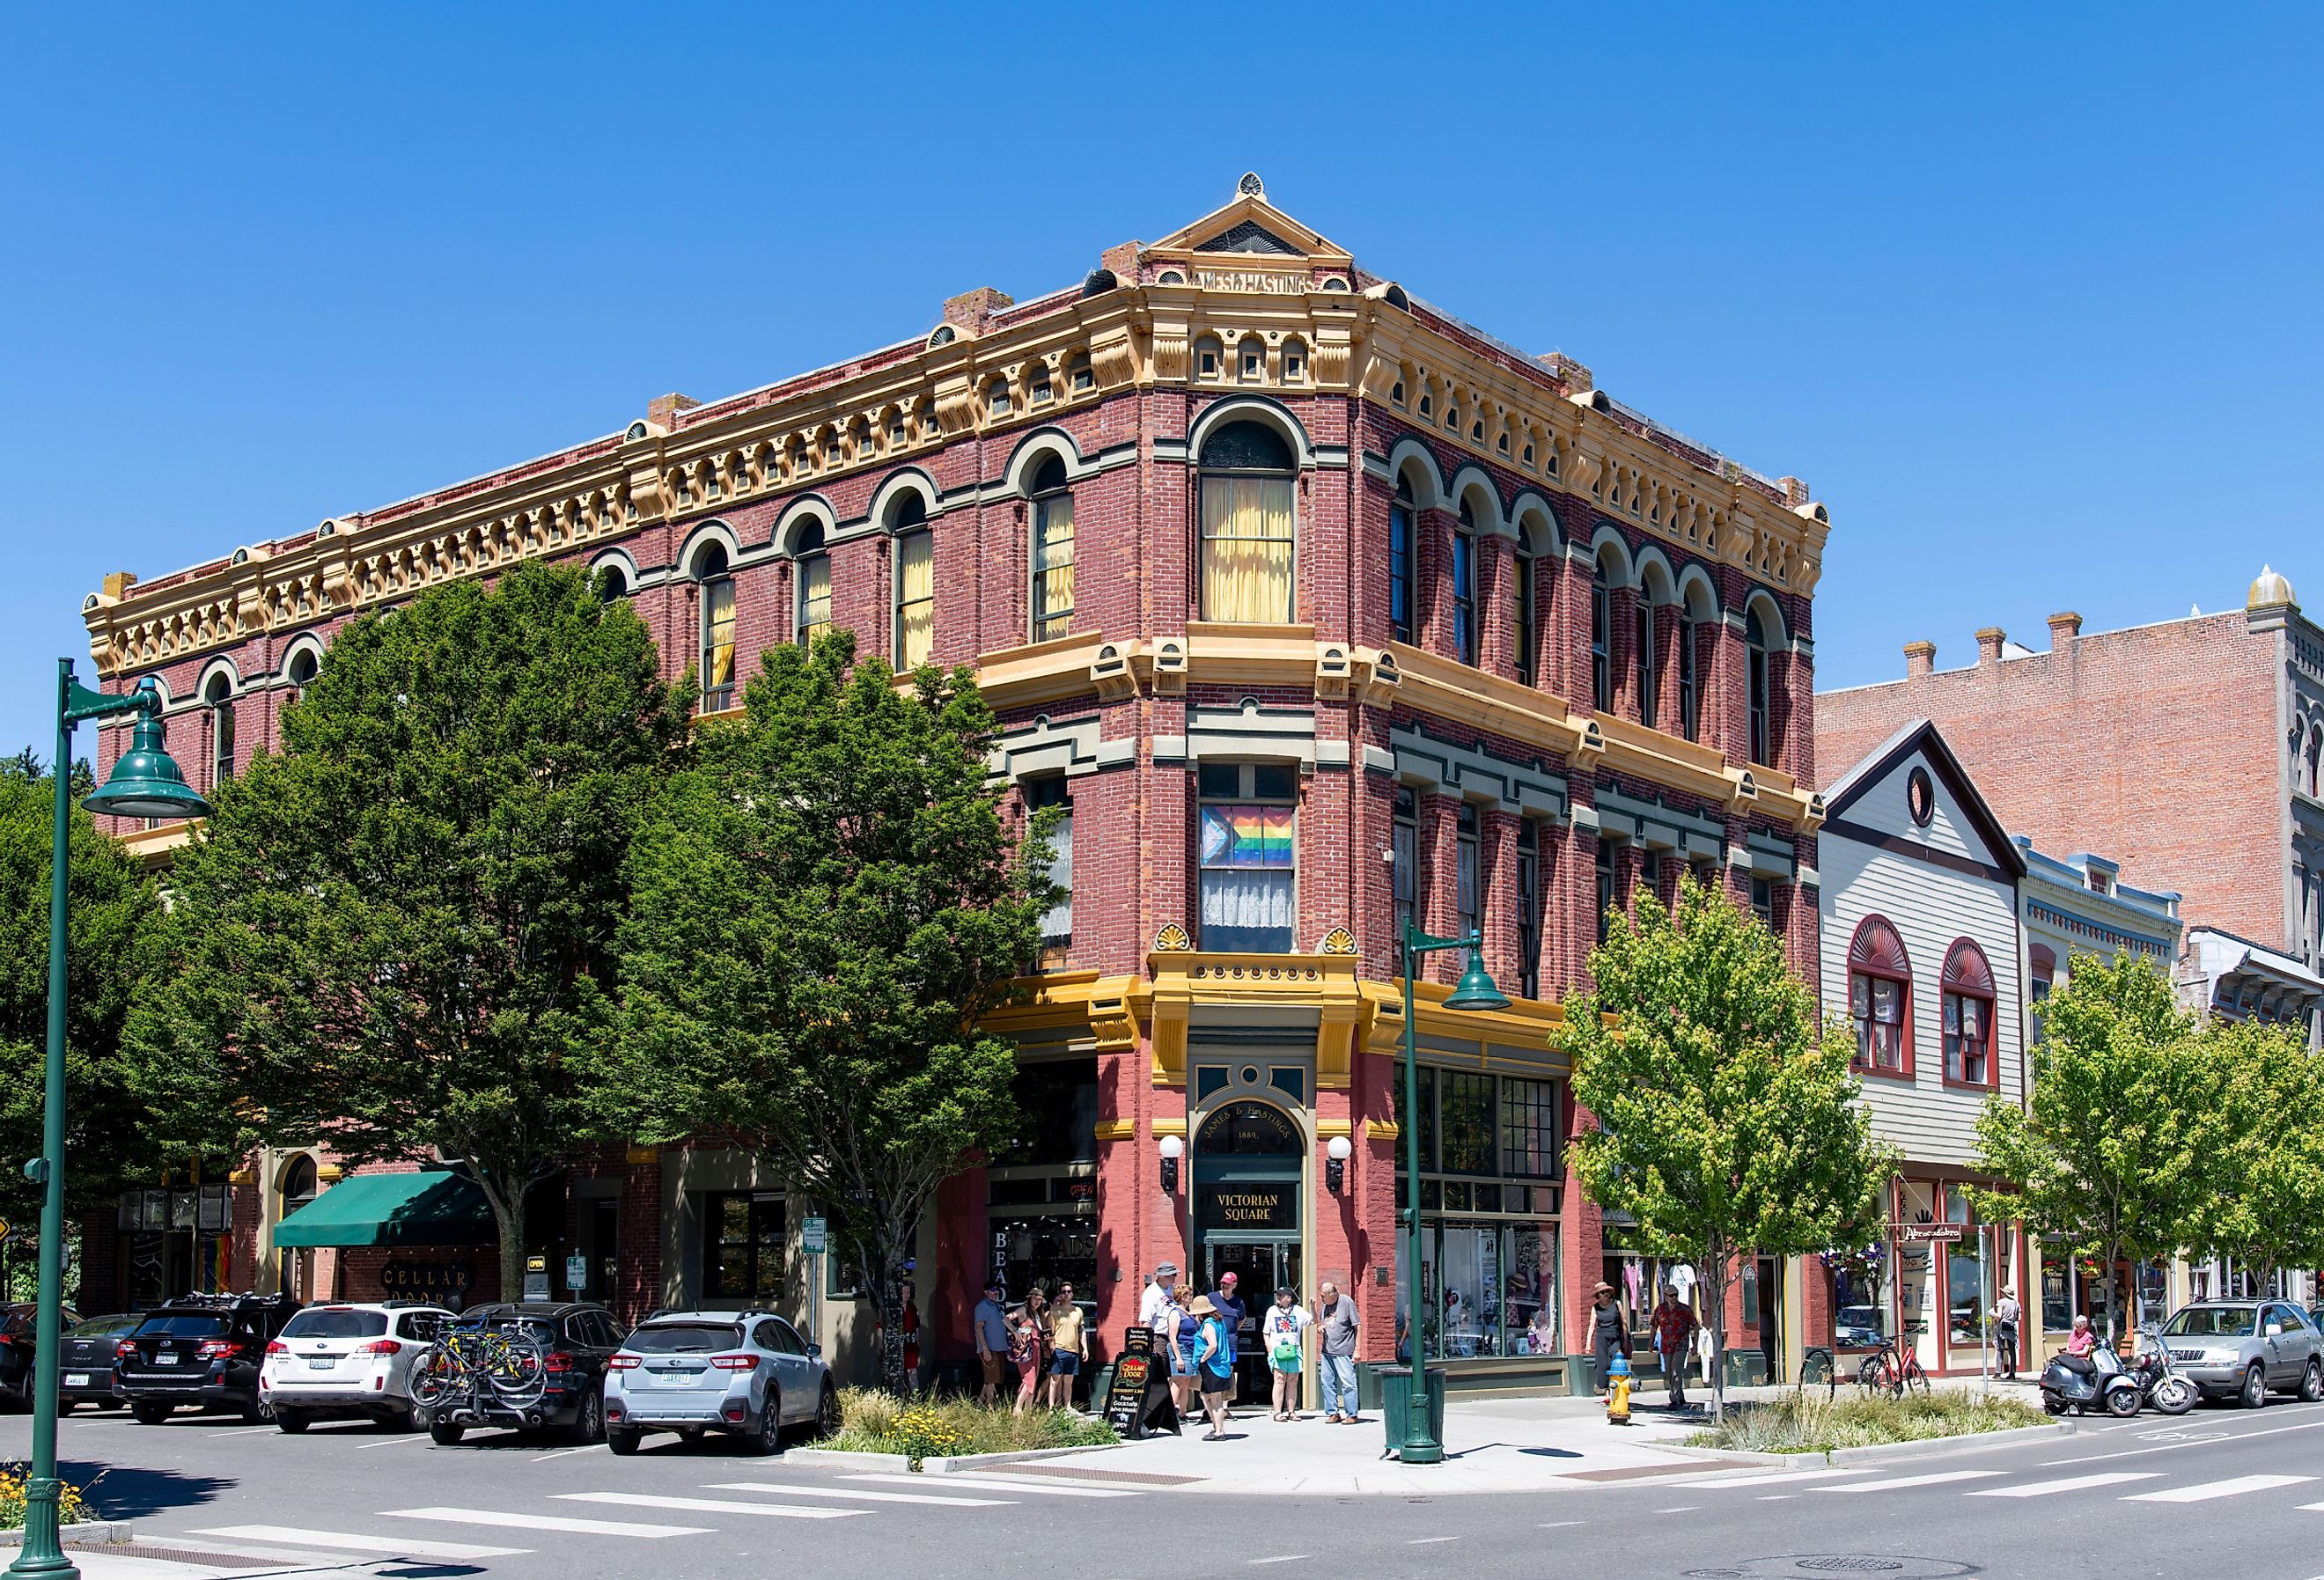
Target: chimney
{"points": [[117, 583], [1121, 259], [1796, 492], [2063, 628], [1919, 659], [661, 409], [974, 310], [1988, 645]]}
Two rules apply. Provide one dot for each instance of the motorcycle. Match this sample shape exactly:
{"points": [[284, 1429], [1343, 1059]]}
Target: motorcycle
{"points": [[2160, 1380], [2078, 1384]]}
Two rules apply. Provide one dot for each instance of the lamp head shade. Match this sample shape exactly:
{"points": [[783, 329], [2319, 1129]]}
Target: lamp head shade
{"points": [[147, 782], [1173, 1148], [1476, 990], [1338, 1148]]}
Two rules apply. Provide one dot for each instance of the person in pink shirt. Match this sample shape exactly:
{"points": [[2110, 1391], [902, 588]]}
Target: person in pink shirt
{"points": [[2081, 1341]]}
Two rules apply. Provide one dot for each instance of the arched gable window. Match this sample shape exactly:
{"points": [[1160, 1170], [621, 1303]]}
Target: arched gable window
{"points": [[1763, 741], [1403, 546], [219, 695], [717, 665], [915, 582], [814, 616], [1052, 556], [1969, 1016], [1246, 524], [1880, 998], [301, 673], [1464, 586], [1601, 640]]}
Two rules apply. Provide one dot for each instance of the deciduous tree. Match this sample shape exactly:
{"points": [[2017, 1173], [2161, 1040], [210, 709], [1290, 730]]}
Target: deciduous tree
{"points": [[2266, 1209]]}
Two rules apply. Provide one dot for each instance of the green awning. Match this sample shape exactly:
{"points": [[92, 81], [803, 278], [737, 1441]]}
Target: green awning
{"points": [[427, 1206]]}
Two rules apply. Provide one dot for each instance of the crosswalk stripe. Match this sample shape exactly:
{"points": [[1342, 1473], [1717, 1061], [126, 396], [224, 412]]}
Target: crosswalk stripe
{"points": [[370, 1544], [1770, 1479], [865, 1494], [994, 1485], [2072, 1483], [543, 1522], [2204, 1492], [711, 1505], [1896, 1483]]}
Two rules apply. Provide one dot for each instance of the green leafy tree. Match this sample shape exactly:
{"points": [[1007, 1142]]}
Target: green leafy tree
{"points": [[824, 907], [2126, 1127], [2266, 1208], [389, 938], [109, 946], [1728, 1122]]}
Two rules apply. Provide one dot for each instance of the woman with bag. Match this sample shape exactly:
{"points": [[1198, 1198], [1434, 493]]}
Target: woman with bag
{"points": [[1280, 1329], [1214, 1365], [1025, 1333], [1177, 1327]]}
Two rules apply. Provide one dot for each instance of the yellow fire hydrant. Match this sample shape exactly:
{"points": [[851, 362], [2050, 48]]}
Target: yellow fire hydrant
{"points": [[1618, 1393]]}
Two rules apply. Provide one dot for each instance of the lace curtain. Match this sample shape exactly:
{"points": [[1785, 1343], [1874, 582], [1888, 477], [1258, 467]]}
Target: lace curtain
{"points": [[1247, 549], [915, 600]]}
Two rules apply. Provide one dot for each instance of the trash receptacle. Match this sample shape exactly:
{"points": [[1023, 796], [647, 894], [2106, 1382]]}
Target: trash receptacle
{"points": [[1396, 1401]]}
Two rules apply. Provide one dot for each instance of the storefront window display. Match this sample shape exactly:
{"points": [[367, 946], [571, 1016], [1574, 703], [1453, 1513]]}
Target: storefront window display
{"points": [[1860, 1300], [1490, 1156], [1638, 1279], [1041, 1200]]}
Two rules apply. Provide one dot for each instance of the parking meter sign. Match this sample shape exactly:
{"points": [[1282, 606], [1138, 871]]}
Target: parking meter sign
{"points": [[813, 1234]]}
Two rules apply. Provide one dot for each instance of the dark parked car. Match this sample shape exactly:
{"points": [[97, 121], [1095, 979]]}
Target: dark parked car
{"points": [[85, 1367], [203, 1351], [529, 1365], [19, 1322]]}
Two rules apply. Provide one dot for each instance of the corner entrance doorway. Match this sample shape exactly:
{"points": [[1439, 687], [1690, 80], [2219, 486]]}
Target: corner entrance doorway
{"points": [[1260, 1268], [1248, 1162]]}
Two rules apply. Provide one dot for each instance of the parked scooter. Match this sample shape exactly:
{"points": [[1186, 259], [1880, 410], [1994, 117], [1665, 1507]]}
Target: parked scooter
{"points": [[2097, 1381], [2160, 1381]]}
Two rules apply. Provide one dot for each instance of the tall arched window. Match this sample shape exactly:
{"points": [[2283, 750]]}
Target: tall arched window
{"points": [[1601, 640], [1246, 524], [301, 673], [1690, 677], [1521, 584], [813, 584], [1755, 638], [1642, 644], [1052, 556], [717, 665], [1403, 546], [1880, 998], [915, 582], [219, 695], [2316, 761], [1464, 586], [1969, 1016]]}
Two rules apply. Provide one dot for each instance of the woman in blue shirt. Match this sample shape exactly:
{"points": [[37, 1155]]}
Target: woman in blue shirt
{"points": [[1215, 1364]]}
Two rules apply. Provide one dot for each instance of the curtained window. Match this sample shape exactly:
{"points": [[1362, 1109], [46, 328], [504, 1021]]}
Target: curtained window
{"points": [[814, 585], [717, 664], [1969, 1016], [1052, 556], [1880, 998], [915, 598], [1247, 855], [1247, 525]]}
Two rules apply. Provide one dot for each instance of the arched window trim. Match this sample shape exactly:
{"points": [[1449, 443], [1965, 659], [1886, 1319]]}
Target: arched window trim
{"points": [[713, 569], [1971, 1059], [1759, 664], [810, 583], [1256, 503], [1049, 548], [1876, 957], [217, 695]]}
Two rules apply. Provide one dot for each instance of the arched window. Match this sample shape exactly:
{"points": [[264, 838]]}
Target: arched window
{"points": [[1601, 640], [299, 1183], [302, 672], [813, 617], [1246, 524], [2316, 761], [1969, 1016], [1642, 648], [1250, 357], [219, 695], [1464, 586], [1522, 570], [915, 582], [717, 665], [1403, 545], [1763, 741], [1691, 620], [1052, 556], [1880, 998], [613, 582]]}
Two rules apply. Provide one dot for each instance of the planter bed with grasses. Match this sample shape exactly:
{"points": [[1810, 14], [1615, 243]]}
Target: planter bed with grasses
{"points": [[955, 1427], [1809, 1423]]}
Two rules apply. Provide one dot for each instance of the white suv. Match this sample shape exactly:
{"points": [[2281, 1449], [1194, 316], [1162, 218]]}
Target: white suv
{"points": [[348, 1361]]}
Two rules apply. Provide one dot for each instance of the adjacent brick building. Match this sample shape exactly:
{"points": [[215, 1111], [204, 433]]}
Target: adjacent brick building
{"points": [[2187, 750], [1316, 607]]}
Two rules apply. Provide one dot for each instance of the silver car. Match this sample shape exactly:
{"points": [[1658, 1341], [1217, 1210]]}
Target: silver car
{"points": [[2241, 1349], [694, 1372]]}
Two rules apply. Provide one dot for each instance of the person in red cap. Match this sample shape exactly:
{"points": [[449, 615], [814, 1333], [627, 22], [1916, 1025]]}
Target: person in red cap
{"points": [[1229, 1304]]}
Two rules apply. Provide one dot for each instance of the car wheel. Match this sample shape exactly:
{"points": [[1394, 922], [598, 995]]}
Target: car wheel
{"points": [[446, 1433], [765, 1436], [826, 1413], [589, 1420], [292, 1421], [257, 1412], [2311, 1381], [2254, 1389], [621, 1442], [149, 1412]]}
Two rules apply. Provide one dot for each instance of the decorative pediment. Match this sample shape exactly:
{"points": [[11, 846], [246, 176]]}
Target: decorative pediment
{"points": [[1250, 226], [1248, 236]]}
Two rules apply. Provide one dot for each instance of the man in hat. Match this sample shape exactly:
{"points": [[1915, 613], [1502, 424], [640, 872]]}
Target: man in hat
{"points": [[2006, 1315], [1157, 1293], [991, 1324], [1608, 1333]]}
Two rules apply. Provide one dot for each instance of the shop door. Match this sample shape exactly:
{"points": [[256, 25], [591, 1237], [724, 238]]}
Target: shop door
{"points": [[1771, 1316], [1260, 1268]]}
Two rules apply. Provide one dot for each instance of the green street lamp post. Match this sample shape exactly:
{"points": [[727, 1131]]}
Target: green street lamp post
{"points": [[1475, 991], [145, 783]]}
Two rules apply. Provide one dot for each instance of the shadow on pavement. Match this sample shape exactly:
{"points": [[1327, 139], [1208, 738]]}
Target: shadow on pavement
{"points": [[128, 1492]]}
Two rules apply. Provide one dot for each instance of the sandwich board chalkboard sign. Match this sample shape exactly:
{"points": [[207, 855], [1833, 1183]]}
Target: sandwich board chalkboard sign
{"points": [[1140, 1401]]}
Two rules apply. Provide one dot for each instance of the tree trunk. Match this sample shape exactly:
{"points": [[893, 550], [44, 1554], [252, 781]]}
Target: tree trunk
{"points": [[2113, 1294], [1714, 1282], [509, 1222]]}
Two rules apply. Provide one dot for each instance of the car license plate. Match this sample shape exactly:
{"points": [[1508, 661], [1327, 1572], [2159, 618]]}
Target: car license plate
{"points": [[76, 1380], [167, 1358], [321, 1363]]}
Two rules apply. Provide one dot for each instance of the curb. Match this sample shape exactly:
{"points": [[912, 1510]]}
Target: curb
{"points": [[1750, 1455], [1876, 1452], [105, 1531], [846, 1459]]}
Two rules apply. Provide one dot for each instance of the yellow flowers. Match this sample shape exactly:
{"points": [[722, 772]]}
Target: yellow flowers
{"points": [[919, 1433], [72, 1508]]}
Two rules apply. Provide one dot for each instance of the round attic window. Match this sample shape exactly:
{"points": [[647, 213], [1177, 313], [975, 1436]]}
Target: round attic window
{"points": [[1920, 797]]}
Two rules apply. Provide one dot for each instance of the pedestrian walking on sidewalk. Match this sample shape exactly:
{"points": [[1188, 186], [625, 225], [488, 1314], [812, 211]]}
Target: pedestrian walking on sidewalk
{"points": [[1280, 1329], [1068, 1348], [2006, 1315], [1215, 1362], [1335, 1325], [1176, 1328], [1028, 1328], [1674, 1324], [1227, 1300], [1609, 1334], [991, 1340]]}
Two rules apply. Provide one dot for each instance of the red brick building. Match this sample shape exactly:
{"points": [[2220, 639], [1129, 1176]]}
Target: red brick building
{"points": [[1316, 607], [2189, 750]]}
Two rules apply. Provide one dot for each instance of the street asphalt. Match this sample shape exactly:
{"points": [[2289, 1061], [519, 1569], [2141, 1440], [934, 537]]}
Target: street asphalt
{"points": [[2221, 1492]]}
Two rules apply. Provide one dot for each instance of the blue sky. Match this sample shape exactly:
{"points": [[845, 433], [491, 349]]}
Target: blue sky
{"points": [[2029, 296]]}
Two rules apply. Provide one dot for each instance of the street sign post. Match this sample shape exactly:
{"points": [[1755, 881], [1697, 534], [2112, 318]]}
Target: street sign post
{"points": [[815, 1235]]}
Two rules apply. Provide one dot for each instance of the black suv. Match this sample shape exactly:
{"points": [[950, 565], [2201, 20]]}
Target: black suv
{"points": [[19, 1349], [201, 1349], [566, 1389], [86, 1364]]}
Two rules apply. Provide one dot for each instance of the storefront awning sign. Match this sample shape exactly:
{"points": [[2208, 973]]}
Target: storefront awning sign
{"points": [[1928, 1234]]}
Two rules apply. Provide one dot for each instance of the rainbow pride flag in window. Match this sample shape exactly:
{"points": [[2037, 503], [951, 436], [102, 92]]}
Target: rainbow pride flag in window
{"points": [[1247, 837]]}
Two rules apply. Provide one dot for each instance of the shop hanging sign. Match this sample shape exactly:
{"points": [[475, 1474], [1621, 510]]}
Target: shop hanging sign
{"points": [[1251, 1207], [1928, 1234]]}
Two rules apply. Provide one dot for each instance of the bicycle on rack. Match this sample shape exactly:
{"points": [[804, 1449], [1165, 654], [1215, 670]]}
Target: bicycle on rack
{"points": [[1892, 1371], [469, 1366]]}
